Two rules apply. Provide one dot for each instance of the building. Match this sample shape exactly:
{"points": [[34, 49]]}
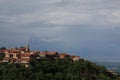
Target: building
{"points": [[52, 54], [64, 55], [27, 48], [18, 55], [43, 55], [75, 58], [23, 55]]}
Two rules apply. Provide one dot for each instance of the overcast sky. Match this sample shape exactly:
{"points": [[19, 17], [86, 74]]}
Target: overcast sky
{"points": [[87, 28]]}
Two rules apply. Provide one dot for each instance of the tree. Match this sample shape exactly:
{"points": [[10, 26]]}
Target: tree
{"points": [[2, 55], [3, 48], [55, 69]]}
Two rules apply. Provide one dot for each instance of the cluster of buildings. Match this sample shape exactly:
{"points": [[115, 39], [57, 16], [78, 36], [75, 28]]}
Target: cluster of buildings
{"points": [[23, 55]]}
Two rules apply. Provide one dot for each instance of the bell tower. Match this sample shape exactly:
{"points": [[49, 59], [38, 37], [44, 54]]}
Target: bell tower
{"points": [[27, 47]]}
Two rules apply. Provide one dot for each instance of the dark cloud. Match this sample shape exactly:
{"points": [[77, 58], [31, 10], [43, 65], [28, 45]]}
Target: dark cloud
{"points": [[89, 28]]}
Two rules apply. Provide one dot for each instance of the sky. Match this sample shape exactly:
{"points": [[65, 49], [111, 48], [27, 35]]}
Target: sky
{"points": [[87, 28]]}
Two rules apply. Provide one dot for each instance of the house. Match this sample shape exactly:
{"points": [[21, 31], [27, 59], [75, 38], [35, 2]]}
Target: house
{"points": [[18, 55], [64, 55], [43, 55], [52, 55], [24, 60], [75, 58], [2, 50], [49, 54]]}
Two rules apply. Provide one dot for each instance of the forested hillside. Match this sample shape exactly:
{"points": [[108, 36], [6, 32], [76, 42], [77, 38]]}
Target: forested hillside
{"points": [[55, 69]]}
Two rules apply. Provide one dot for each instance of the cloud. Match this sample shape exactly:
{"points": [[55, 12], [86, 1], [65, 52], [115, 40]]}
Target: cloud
{"points": [[60, 12], [86, 25], [49, 34], [111, 17]]}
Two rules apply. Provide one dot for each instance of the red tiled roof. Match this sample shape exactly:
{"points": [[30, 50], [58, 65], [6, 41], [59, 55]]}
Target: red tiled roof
{"points": [[43, 53], [51, 53], [21, 49], [15, 51], [2, 51]]}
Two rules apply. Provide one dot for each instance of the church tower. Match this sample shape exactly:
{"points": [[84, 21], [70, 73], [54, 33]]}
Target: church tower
{"points": [[27, 47]]}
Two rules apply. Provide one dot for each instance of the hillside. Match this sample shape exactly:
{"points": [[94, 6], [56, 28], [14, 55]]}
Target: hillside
{"points": [[55, 69]]}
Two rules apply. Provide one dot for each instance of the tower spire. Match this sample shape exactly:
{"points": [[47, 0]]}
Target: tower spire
{"points": [[27, 47]]}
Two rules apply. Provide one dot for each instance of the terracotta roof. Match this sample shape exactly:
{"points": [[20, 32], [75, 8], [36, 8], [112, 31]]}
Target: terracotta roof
{"points": [[15, 51], [21, 49], [43, 53], [51, 53], [2, 51]]}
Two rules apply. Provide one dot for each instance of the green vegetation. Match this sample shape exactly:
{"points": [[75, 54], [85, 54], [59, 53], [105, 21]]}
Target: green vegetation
{"points": [[2, 55], [3, 48], [55, 69]]}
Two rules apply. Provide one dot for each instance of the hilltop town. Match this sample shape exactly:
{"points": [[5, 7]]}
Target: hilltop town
{"points": [[26, 64], [23, 55]]}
